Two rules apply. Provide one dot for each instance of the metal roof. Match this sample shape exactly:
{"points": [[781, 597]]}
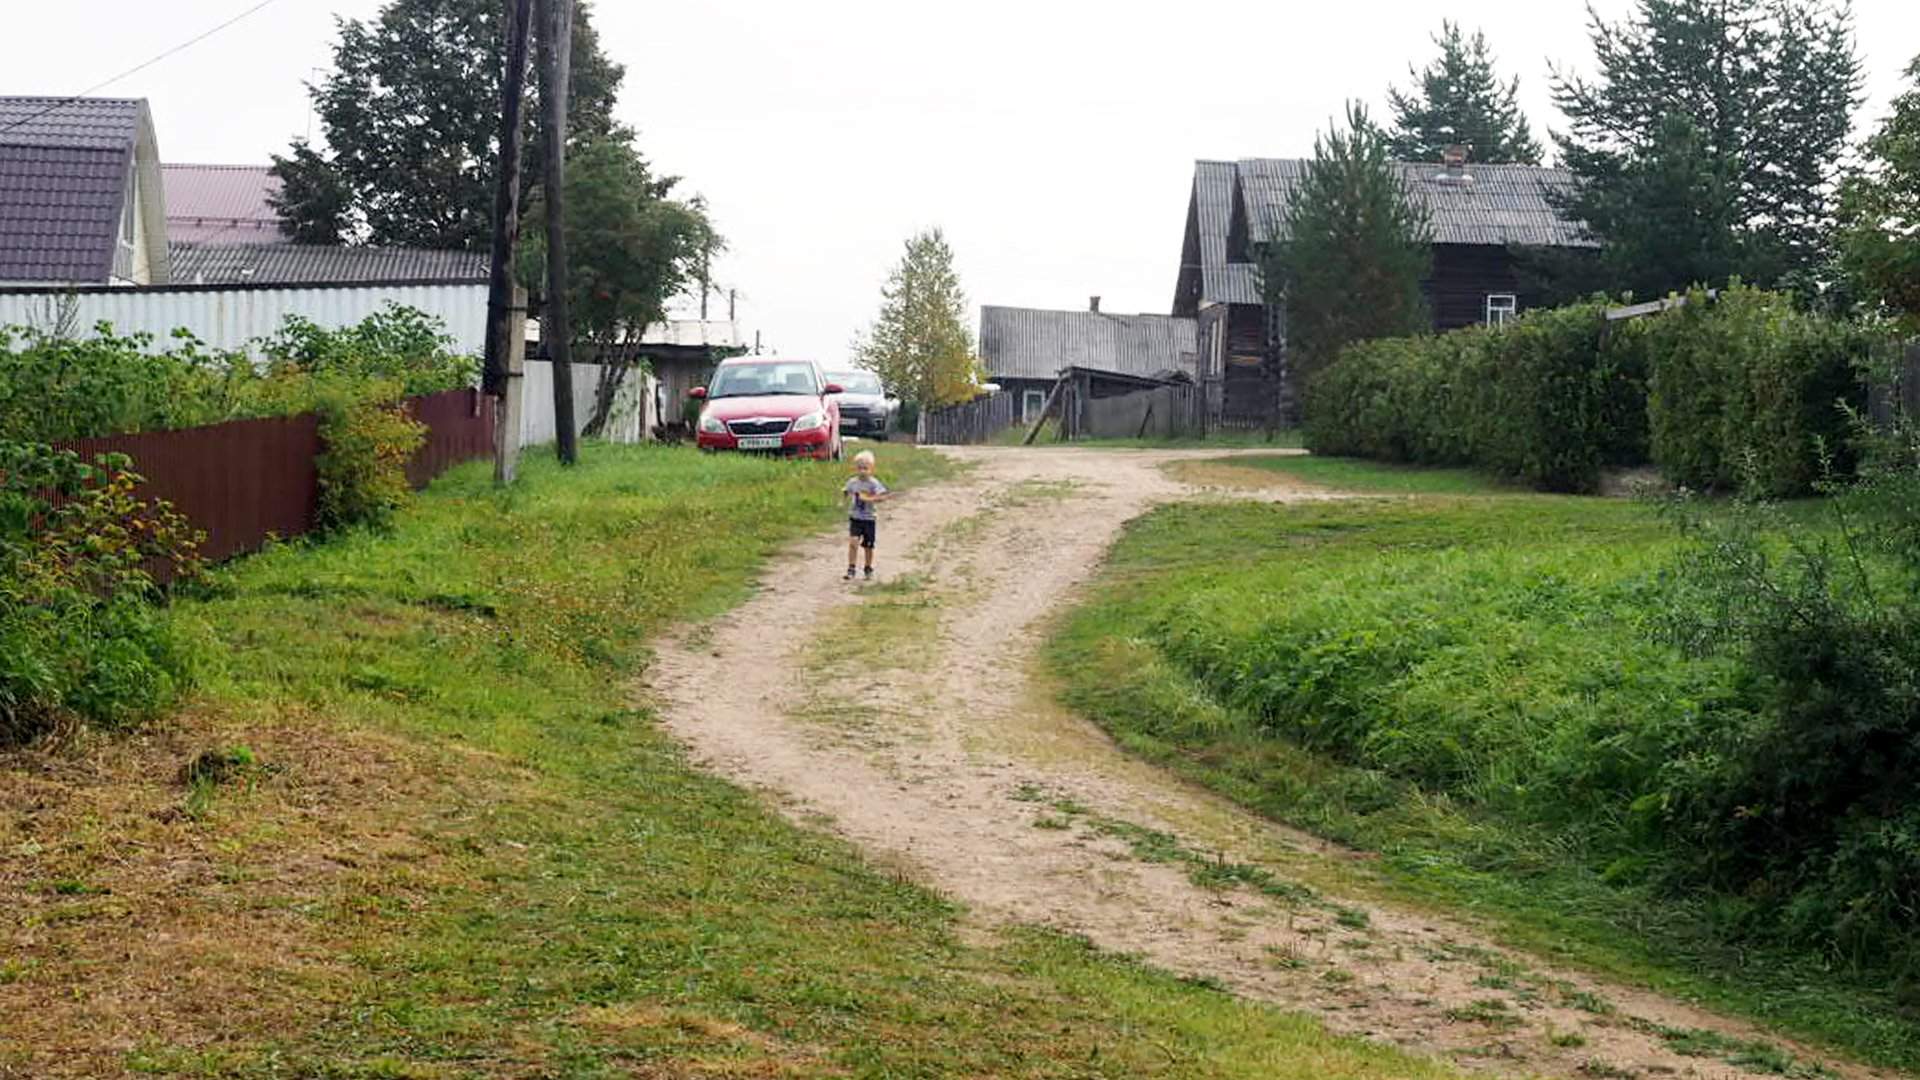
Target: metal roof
{"points": [[302, 264], [1501, 205], [221, 204], [1029, 343], [694, 333], [1493, 205], [67, 168]]}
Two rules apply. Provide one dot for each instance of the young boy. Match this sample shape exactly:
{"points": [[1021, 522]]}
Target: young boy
{"points": [[865, 490]]}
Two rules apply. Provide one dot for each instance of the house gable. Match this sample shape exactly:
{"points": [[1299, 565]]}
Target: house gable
{"points": [[69, 171]]}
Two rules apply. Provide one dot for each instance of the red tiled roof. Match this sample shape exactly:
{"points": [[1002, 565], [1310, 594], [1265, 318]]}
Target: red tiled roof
{"points": [[221, 204]]}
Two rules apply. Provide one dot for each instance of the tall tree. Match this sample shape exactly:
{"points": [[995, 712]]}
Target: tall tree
{"points": [[1880, 212], [920, 345], [1767, 89], [1459, 100], [410, 113], [1348, 264]]}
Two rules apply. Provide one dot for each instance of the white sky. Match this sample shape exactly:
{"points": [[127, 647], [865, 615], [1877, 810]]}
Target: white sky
{"points": [[1053, 140]]}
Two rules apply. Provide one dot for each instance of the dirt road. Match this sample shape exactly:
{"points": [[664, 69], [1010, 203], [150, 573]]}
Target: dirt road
{"points": [[923, 734]]}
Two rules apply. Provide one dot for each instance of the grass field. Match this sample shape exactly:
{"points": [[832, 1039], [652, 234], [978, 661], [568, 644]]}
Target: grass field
{"points": [[1467, 681], [414, 825]]}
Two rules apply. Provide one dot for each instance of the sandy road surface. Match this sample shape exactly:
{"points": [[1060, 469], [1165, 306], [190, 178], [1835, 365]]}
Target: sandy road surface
{"points": [[935, 752]]}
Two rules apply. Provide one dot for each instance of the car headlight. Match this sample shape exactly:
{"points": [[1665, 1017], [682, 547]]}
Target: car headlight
{"points": [[810, 421], [712, 425]]}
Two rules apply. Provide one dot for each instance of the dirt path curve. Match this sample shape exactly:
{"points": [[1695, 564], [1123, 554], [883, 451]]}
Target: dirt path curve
{"points": [[937, 753]]}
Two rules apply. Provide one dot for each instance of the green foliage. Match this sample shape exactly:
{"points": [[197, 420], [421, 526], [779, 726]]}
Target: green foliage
{"points": [[1718, 393], [368, 439], [396, 343], [630, 247], [1458, 100], [919, 344], [1880, 212], [1724, 120], [1805, 810], [1353, 251], [1748, 390], [1538, 707], [80, 638], [411, 113], [1537, 400]]}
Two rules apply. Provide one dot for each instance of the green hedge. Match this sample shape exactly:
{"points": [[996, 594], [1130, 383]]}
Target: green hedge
{"points": [[1540, 400], [1717, 393]]}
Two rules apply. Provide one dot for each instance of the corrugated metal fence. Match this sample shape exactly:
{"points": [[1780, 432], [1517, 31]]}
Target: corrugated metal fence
{"points": [[232, 316], [244, 481], [974, 422]]}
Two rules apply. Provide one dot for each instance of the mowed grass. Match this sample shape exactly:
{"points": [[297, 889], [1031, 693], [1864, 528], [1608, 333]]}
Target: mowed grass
{"points": [[1457, 682], [442, 840], [1367, 477]]}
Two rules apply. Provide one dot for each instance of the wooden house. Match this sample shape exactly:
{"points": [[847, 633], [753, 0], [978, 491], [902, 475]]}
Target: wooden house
{"points": [[1483, 216], [1027, 350]]}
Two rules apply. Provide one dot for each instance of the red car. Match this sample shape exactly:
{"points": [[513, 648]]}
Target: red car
{"points": [[770, 406]]}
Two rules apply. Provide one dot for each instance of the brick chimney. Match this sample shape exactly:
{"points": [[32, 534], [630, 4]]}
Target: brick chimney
{"points": [[1093, 304], [1454, 166]]}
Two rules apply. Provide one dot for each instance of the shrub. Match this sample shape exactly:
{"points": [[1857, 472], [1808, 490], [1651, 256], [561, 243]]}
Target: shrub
{"points": [[369, 438], [1745, 386], [80, 635]]}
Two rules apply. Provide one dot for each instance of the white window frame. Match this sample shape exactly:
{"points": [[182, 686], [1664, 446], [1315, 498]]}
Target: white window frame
{"points": [[1029, 406], [1502, 308]]}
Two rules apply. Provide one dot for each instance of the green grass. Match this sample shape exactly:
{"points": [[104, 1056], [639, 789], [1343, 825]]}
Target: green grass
{"points": [[1373, 478], [1457, 682], [565, 895]]}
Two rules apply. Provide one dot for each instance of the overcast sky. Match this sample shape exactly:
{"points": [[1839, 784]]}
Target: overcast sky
{"points": [[1053, 141]]}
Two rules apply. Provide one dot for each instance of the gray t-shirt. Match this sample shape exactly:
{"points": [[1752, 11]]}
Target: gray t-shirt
{"points": [[860, 509]]}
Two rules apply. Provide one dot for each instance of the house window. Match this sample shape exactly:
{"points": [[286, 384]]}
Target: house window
{"points": [[1501, 307], [1030, 405]]}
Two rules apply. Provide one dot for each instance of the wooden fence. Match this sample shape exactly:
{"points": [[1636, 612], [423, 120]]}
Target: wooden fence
{"points": [[977, 421], [244, 481], [1169, 412]]}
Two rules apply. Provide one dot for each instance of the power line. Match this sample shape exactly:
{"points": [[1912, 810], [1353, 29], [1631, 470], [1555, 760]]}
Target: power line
{"points": [[182, 47]]}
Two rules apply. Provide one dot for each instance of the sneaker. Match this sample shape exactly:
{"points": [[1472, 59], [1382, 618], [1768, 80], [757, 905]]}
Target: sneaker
{"points": [[869, 573], [849, 573]]}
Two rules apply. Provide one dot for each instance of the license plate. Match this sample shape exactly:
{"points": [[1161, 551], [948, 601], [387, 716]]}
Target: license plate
{"points": [[759, 442]]}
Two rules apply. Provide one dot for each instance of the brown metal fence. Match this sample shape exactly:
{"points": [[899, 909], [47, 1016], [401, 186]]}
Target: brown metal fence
{"points": [[245, 481], [976, 421]]}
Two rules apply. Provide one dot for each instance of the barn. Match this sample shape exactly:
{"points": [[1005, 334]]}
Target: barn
{"points": [[1027, 350], [1485, 219]]}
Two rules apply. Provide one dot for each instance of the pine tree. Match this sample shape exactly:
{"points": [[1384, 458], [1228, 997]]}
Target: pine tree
{"points": [[411, 116], [919, 345], [1766, 89], [1353, 252], [1880, 212], [1459, 100]]}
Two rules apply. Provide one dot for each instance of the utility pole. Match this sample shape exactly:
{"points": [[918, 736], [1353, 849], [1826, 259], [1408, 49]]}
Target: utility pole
{"points": [[506, 333], [556, 54]]}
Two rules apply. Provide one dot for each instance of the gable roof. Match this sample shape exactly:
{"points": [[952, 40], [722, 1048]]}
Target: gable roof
{"points": [[1500, 205], [221, 204], [67, 168], [307, 264], [1236, 204], [1032, 343]]}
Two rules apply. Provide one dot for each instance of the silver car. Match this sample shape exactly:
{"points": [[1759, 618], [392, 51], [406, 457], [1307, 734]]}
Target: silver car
{"points": [[865, 409]]}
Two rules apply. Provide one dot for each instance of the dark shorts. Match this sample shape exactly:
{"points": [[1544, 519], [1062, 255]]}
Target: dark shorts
{"points": [[862, 529]]}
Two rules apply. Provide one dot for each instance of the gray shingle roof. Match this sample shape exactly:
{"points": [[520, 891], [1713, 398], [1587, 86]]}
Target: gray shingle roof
{"points": [[295, 264], [1029, 343], [64, 169]]}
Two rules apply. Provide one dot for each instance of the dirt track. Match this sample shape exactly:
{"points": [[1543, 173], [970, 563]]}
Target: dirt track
{"points": [[931, 746]]}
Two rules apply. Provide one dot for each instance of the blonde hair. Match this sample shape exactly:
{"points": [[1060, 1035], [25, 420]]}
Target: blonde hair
{"points": [[863, 456]]}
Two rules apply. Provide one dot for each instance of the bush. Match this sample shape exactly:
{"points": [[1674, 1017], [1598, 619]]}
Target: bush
{"points": [[1748, 389], [1716, 392], [1538, 400], [369, 438], [1807, 810], [80, 635]]}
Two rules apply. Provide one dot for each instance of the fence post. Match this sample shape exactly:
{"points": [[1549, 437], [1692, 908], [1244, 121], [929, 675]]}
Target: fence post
{"points": [[506, 427]]}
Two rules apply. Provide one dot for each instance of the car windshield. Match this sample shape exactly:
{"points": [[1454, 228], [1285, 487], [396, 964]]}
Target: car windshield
{"points": [[751, 380], [857, 382]]}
